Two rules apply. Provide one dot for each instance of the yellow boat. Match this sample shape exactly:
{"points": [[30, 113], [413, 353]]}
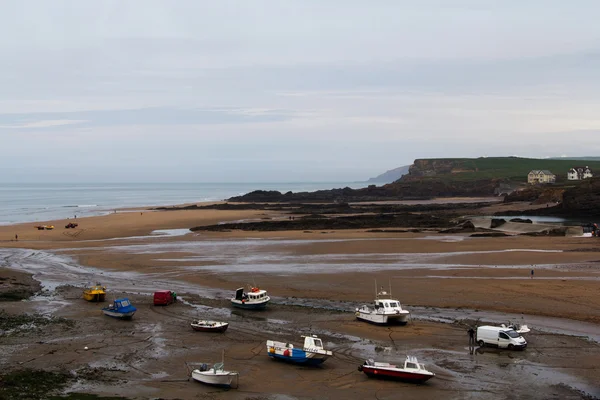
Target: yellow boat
{"points": [[95, 293]]}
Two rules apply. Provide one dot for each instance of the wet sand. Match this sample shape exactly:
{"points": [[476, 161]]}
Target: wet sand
{"points": [[316, 278]]}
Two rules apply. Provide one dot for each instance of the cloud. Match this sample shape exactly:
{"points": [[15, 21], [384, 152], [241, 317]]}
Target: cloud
{"points": [[43, 123], [144, 116]]}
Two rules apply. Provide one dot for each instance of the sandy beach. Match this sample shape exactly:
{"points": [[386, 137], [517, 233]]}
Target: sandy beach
{"points": [[316, 278]]}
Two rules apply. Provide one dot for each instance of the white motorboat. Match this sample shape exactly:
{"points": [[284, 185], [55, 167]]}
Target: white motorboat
{"points": [[216, 375], [386, 310]]}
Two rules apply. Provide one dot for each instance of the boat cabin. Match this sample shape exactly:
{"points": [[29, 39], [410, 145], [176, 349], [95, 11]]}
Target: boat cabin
{"points": [[255, 294], [312, 342]]}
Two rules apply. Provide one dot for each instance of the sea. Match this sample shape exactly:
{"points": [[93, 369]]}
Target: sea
{"points": [[37, 202]]}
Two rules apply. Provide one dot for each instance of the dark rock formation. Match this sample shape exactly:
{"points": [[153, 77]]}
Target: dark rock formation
{"points": [[466, 226], [489, 234], [558, 231], [496, 222], [522, 220], [343, 222]]}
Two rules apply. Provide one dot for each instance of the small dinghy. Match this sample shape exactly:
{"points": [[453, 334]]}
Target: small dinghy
{"points": [[412, 371], [216, 375], [312, 353], [121, 309], [209, 326]]}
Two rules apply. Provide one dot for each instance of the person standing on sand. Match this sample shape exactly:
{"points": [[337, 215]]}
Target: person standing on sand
{"points": [[471, 333], [16, 237], [531, 274]]}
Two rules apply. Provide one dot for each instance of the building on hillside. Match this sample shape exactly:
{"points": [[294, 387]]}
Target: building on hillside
{"points": [[579, 173], [537, 177]]}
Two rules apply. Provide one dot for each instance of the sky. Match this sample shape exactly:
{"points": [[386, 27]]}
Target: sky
{"points": [[290, 90]]}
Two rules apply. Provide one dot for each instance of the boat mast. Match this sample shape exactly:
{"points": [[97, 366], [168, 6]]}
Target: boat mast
{"points": [[376, 293], [390, 288]]}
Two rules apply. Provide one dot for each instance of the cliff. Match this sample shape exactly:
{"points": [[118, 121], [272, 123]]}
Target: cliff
{"points": [[391, 175]]}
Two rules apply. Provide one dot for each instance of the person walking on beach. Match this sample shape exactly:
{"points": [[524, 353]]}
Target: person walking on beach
{"points": [[16, 237], [471, 333], [531, 274]]}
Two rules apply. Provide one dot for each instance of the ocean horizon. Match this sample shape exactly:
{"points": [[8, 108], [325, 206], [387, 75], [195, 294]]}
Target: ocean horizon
{"points": [[37, 202]]}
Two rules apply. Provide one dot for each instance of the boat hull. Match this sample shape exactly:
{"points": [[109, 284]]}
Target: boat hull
{"points": [[298, 359], [384, 373], [247, 305], [118, 315], [224, 379], [203, 328], [94, 297], [383, 319]]}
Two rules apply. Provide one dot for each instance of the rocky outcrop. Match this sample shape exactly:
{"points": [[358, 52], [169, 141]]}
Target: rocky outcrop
{"points": [[496, 222], [584, 199], [522, 220]]}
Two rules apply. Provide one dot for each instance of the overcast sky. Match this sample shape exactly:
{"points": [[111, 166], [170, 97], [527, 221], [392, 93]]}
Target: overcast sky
{"points": [[290, 90]]}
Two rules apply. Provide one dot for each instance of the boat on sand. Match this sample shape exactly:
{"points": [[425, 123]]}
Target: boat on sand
{"points": [[216, 375], [209, 326], [312, 353], [386, 310], [255, 299], [120, 308], [412, 371], [95, 293]]}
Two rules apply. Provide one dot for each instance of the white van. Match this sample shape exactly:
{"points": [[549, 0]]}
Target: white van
{"points": [[504, 338]]}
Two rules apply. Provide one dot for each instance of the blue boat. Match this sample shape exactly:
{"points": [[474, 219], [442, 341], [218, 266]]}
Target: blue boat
{"points": [[255, 299], [121, 308], [312, 353]]}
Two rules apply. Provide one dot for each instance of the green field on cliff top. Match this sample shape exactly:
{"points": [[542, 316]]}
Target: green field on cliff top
{"points": [[512, 168]]}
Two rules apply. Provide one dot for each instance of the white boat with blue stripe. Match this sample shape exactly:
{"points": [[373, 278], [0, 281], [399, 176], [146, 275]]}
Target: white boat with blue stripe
{"points": [[312, 353]]}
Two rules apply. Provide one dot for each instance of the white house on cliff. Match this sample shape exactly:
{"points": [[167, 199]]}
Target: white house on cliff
{"points": [[579, 173]]}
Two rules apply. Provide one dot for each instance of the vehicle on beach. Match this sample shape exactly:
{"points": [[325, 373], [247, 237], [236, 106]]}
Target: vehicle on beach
{"points": [[255, 299], [503, 338], [96, 293], [312, 353], [71, 225], [412, 371], [164, 297], [120, 308], [209, 326], [386, 310], [44, 227], [216, 375]]}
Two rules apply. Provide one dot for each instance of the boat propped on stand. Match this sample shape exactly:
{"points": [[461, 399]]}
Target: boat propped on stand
{"points": [[312, 353], [254, 299], [412, 371], [386, 310]]}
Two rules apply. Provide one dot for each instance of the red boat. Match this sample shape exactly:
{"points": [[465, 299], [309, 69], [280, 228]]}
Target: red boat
{"points": [[209, 326], [411, 372]]}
